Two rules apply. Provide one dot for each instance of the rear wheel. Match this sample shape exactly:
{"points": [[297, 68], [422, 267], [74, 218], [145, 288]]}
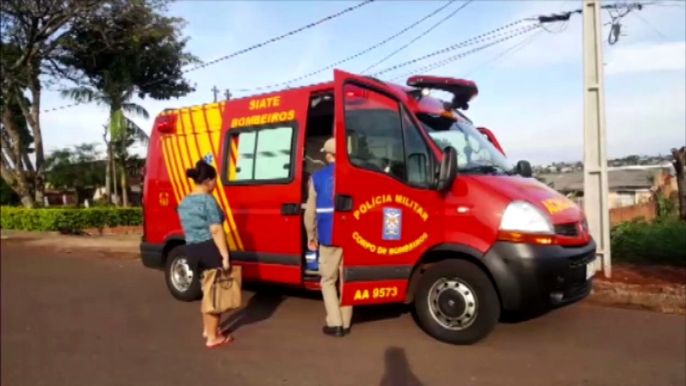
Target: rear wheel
{"points": [[456, 302], [183, 282]]}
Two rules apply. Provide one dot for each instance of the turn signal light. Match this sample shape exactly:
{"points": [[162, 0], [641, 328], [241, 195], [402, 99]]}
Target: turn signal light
{"points": [[527, 238]]}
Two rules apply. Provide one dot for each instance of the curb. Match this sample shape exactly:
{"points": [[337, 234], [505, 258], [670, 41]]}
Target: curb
{"points": [[668, 299], [111, 246]]}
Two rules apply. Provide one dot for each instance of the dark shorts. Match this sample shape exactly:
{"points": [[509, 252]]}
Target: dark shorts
{"points": [[204, 255]]}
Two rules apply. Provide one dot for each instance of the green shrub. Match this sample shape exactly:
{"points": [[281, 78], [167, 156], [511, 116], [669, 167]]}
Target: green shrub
{"points": [[68, 220], [660, 242]]}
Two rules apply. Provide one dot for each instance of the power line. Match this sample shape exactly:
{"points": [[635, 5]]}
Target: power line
{"points": [[418, 37], [650, 26], [330, 66], [475, 40], [251, 48], [441, 63], [512, 50]]}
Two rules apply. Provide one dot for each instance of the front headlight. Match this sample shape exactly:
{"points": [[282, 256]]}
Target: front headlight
{"points": [[521, 216]]}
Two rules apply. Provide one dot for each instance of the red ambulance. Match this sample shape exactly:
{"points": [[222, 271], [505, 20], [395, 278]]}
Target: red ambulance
{"points": [[428, 209]]}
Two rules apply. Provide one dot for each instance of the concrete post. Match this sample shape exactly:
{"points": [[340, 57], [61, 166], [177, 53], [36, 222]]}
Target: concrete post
{"points": [[596, 190]]}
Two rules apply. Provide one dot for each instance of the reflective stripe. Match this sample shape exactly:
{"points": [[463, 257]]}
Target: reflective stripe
{"points": [[324, 210]]}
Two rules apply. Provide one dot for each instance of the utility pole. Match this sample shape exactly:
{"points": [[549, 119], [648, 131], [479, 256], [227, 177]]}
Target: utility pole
{"points": [[595, 148], [227, 94], [215, 91]]}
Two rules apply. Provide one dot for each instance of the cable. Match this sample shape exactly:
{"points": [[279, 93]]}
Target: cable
{"points": [[451, 59], [472, 41], [512, 50], [330, 66], [650, 26], [418, 37], [251, 48]]}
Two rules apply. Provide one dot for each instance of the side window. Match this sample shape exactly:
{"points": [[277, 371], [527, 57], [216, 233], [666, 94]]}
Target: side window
{"points": [[418, 156], [383, 138], [261, 155], [374, 130]]}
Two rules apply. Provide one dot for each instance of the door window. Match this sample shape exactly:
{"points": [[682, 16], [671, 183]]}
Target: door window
{"points": [[383, 139]]}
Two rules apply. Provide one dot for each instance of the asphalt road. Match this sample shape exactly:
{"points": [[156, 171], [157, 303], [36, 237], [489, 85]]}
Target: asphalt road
{"points": [[73, 320]]}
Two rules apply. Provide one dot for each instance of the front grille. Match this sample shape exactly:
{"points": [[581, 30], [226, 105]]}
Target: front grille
{"points": [[569, 230]]}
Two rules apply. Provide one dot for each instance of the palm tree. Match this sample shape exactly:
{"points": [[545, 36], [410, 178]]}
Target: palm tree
{"points": [[123, 132]]}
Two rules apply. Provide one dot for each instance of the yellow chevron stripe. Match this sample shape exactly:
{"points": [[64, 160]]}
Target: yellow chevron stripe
{"points": [[214, 124], [203, 142], [183, 150], [188, 184], [171, 168]]}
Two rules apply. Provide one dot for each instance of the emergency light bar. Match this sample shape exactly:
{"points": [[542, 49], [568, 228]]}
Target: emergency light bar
{"points": [[463, 90], [166, 123]]}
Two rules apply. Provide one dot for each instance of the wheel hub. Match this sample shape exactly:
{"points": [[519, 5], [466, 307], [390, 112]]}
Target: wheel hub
{"points": [[181, 274], [453, 304]]}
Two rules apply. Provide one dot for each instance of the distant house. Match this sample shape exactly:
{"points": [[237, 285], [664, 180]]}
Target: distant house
{"points": [[628, 185]]}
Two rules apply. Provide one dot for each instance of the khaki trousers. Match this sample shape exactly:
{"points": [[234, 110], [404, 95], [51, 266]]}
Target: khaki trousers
{"points": [[330, 259]]}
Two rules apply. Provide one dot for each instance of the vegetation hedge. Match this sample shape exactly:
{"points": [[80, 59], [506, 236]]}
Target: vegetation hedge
{"points": [[68, 220], [661, 242]]}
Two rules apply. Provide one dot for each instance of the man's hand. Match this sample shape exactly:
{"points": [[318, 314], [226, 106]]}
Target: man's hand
{"points": [[312, 245], [225, 263]]}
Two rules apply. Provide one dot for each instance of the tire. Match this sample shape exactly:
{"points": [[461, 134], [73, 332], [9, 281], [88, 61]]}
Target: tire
{"points": [[462, 277], [175, 260]]}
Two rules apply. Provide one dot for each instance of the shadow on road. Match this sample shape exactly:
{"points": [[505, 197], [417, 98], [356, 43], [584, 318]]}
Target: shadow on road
{"points": [[260, 307], [379, 312], [397, 370]]}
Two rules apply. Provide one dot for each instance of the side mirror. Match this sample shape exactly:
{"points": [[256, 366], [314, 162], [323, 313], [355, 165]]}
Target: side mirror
{"points": [[524, 169], [448, 169]]}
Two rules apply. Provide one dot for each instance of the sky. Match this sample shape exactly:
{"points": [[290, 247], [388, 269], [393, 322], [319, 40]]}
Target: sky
{"points": [[530, 87]]}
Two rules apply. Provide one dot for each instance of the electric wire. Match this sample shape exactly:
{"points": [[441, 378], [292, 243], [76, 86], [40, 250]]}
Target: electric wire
{"points": [[421, 35], [511, 50], [461, 55], [651, 26], [475, 40], [251, 48], [357, 55]]}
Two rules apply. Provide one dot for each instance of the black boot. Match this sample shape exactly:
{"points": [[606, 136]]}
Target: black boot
{"points": [[337, 332]]}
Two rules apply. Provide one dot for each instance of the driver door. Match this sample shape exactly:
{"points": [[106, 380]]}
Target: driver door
{"points": [[387, 213]]}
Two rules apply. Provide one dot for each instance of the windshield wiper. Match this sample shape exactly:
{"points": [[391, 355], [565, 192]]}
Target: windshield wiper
{"points": [[487, 169]]}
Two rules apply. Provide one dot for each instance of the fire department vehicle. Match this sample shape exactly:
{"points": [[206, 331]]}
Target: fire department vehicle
{"points": [[428, 209]]}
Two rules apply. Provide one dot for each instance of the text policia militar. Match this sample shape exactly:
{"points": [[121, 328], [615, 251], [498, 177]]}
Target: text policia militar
{"points": [[397, 200]]}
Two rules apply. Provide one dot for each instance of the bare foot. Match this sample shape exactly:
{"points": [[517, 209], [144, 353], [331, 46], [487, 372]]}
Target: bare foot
{"points": [[219, 341]]}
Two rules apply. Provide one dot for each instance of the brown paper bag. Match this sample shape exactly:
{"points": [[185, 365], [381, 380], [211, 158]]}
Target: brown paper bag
{"points": [[221, 290]]}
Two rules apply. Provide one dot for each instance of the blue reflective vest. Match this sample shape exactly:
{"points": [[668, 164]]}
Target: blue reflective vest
{"points": [[324, 186]]}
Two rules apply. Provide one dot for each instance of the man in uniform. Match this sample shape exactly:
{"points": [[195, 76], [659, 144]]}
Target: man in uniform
{"points": [[319, 227]]}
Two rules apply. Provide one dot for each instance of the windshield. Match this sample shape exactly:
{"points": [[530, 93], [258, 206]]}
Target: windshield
{"points": [[475, 153]]}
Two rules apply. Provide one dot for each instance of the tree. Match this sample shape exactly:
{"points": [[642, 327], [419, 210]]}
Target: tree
{"points": [[32, 33], [15, 136], [679, 165], [79, 168], [141, 53], [7, 194]]}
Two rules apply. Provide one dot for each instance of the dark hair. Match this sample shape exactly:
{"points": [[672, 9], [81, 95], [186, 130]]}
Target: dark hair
{"points": [[202, 172]]}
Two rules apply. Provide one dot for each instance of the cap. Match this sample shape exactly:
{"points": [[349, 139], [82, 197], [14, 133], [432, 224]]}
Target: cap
{"points": [[329, 146]]}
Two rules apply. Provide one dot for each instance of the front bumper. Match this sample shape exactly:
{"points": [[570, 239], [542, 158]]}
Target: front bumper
{"points": [[152, 255], [537, 277]]}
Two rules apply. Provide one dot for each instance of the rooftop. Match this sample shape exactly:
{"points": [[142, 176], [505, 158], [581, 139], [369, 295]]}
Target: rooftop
{"points": [[618, 179]]}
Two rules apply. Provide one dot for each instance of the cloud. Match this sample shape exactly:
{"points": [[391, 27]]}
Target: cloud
{"points": [[646, 57]]}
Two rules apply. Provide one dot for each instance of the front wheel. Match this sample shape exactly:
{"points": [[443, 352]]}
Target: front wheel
{"points": [[456, 302], [183, 282]]}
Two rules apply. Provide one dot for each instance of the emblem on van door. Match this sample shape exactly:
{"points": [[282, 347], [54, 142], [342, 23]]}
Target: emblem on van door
{"points": [[164, 199], [392, 223], [209, 158]]}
